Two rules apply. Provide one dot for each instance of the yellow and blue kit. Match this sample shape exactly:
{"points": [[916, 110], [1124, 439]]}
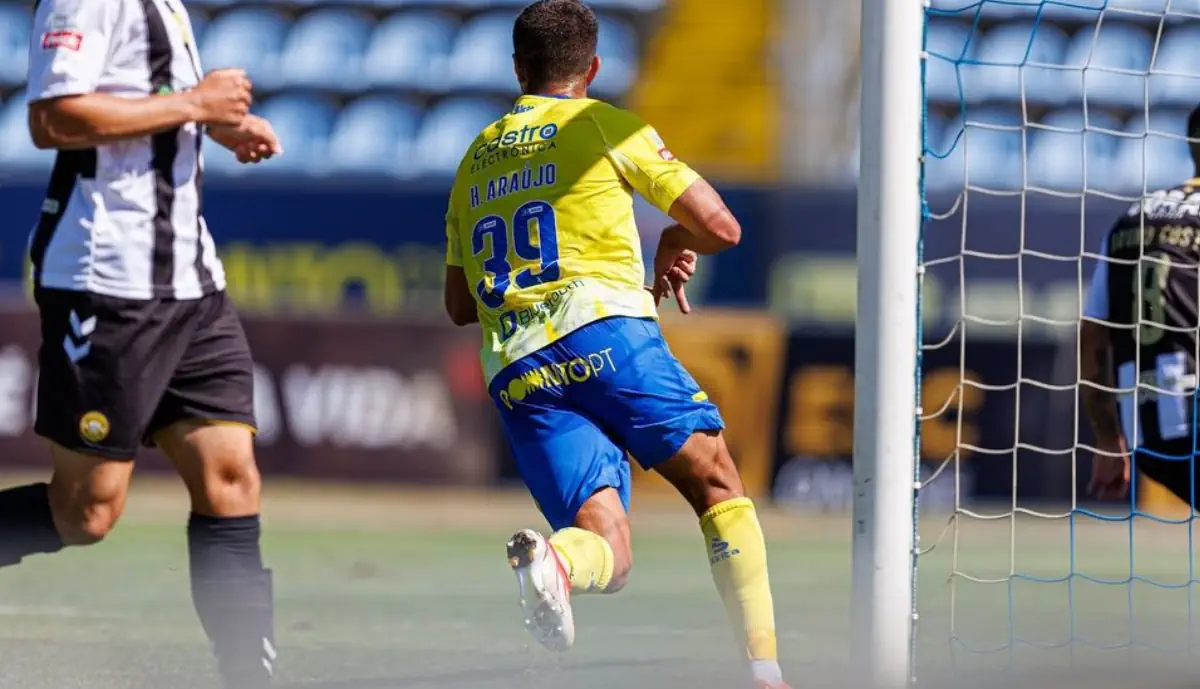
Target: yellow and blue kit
{"points": [[541, 220]]}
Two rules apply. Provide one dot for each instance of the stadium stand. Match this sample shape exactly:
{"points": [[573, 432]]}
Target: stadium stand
{"points": [[15, 21], [396, 88], [332, 74], [1038, 62]]}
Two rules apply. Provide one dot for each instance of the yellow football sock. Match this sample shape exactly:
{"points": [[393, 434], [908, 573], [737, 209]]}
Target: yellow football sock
{"points": [[738, 554], [588, 557]]}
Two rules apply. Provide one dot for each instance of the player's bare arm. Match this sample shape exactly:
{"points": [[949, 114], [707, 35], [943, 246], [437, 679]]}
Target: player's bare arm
{"points": [[705, 226], [93, 119], [1110, 470], [460, 303], [705, 223]]}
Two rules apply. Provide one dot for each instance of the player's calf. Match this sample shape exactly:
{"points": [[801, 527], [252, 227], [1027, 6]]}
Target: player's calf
{"points": [[231, 588], [79, 506], [597, 549], [704, 473]]}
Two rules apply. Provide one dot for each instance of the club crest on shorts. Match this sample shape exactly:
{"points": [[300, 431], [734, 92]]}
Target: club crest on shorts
{"points": [[93, 427]]}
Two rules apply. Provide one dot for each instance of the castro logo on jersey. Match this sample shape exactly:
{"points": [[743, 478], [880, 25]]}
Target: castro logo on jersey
{"points": [[515, 143]]}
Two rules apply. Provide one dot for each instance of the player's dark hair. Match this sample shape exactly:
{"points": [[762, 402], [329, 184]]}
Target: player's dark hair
{"points": [[1193, 133], [554, 42]]}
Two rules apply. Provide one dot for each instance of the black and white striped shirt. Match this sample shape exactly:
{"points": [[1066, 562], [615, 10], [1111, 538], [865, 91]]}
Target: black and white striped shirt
{"points": [[124, 219]]}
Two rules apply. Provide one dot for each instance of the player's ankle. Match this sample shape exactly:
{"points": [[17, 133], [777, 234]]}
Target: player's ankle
{"points": [[766, 671]]}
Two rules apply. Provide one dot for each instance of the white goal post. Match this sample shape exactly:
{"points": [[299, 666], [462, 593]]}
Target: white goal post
{"points": [[887, 334]]}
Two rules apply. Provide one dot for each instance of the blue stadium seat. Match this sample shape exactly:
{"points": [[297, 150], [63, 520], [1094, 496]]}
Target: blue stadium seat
{"points": [[1114, 46], [482, 55], [1155, 162], [1058, 143], [17, 151], [15, 23], [618, 51], [1175, 78], [374, 135], [1158, 149], [965, 9], [246, 38], [992, 146], [1161, 120], [935, 131], [410, 50], [211, 3], [1018, 46], [944, 160], [303, 124], [1066, 10], [948, 43], [325, 48], [199, 25], [449, 128]]}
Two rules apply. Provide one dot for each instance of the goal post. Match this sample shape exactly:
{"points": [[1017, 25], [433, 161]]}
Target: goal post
{"points": [[886, 362]]}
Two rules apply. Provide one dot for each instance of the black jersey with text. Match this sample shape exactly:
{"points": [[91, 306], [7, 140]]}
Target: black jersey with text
{"points": [[1145, 287]]}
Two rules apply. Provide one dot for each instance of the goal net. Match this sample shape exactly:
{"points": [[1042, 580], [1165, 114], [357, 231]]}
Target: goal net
{"points": [[1044, 121]]}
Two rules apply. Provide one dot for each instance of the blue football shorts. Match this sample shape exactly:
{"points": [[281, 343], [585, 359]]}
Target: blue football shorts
{"points": [[572, 409]]}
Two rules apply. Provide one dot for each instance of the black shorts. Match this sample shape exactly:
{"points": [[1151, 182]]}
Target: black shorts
{"points": [[116, 371], [1174, 465]]}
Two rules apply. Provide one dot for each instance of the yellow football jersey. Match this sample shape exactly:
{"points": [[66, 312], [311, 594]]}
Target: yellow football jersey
{"points": [[541, 220]]}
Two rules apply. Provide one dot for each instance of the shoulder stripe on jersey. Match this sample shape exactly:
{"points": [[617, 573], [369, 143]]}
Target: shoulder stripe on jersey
{"points": [[164, 148], [69, 167]]}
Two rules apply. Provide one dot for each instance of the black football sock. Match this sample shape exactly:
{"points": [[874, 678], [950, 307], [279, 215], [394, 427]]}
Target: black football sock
{"points": [[26, 523], [233, 597]]}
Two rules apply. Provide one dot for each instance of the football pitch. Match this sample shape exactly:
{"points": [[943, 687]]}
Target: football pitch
{"points": [[382, 589]]}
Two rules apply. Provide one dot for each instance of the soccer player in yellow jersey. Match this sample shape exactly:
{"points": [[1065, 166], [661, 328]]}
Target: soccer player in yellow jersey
{"points": [[544, 253]]}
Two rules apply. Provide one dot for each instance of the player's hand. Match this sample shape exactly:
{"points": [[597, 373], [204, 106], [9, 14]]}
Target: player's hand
{"points": [[674, 266], [259, 141], [223, 97], [1110, 471], [253, 141]]}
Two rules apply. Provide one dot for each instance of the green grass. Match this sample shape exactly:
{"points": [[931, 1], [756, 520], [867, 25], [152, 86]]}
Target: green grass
{"points": [[371, 596]]}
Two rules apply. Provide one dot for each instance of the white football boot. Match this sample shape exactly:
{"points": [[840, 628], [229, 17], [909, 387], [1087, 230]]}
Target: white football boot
{"points": [[545, 590]]}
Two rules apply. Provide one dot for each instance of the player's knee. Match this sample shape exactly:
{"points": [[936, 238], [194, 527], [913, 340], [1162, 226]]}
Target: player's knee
{"points": [[232, 487], [704, 472], [86, 523]]}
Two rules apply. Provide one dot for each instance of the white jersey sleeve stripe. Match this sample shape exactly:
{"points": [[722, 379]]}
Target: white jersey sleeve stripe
{"points": [[69, 46]]}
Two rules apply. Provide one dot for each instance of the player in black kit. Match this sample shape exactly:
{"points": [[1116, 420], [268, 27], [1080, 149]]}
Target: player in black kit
{"points": [[1138, 342]]}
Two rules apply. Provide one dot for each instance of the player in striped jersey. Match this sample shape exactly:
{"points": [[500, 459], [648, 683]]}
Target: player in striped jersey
{"points": [[1139, 339], [139, 343]]}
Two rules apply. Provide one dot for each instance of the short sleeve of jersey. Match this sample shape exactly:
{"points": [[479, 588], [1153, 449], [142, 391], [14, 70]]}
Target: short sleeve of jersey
{"points": [[642, 159], [453, 243], [69, 46], [1096, 306]]}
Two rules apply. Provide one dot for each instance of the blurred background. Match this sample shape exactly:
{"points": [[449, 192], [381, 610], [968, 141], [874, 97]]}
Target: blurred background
{"points": [[1044, 121], [1041, 117]]}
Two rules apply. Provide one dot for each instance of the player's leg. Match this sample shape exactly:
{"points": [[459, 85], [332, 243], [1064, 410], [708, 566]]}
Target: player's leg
{"points": [[80, 505], [580, 481], [100, 371], [205, 424], [597, 547], [660, 414], [704, 473]]}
